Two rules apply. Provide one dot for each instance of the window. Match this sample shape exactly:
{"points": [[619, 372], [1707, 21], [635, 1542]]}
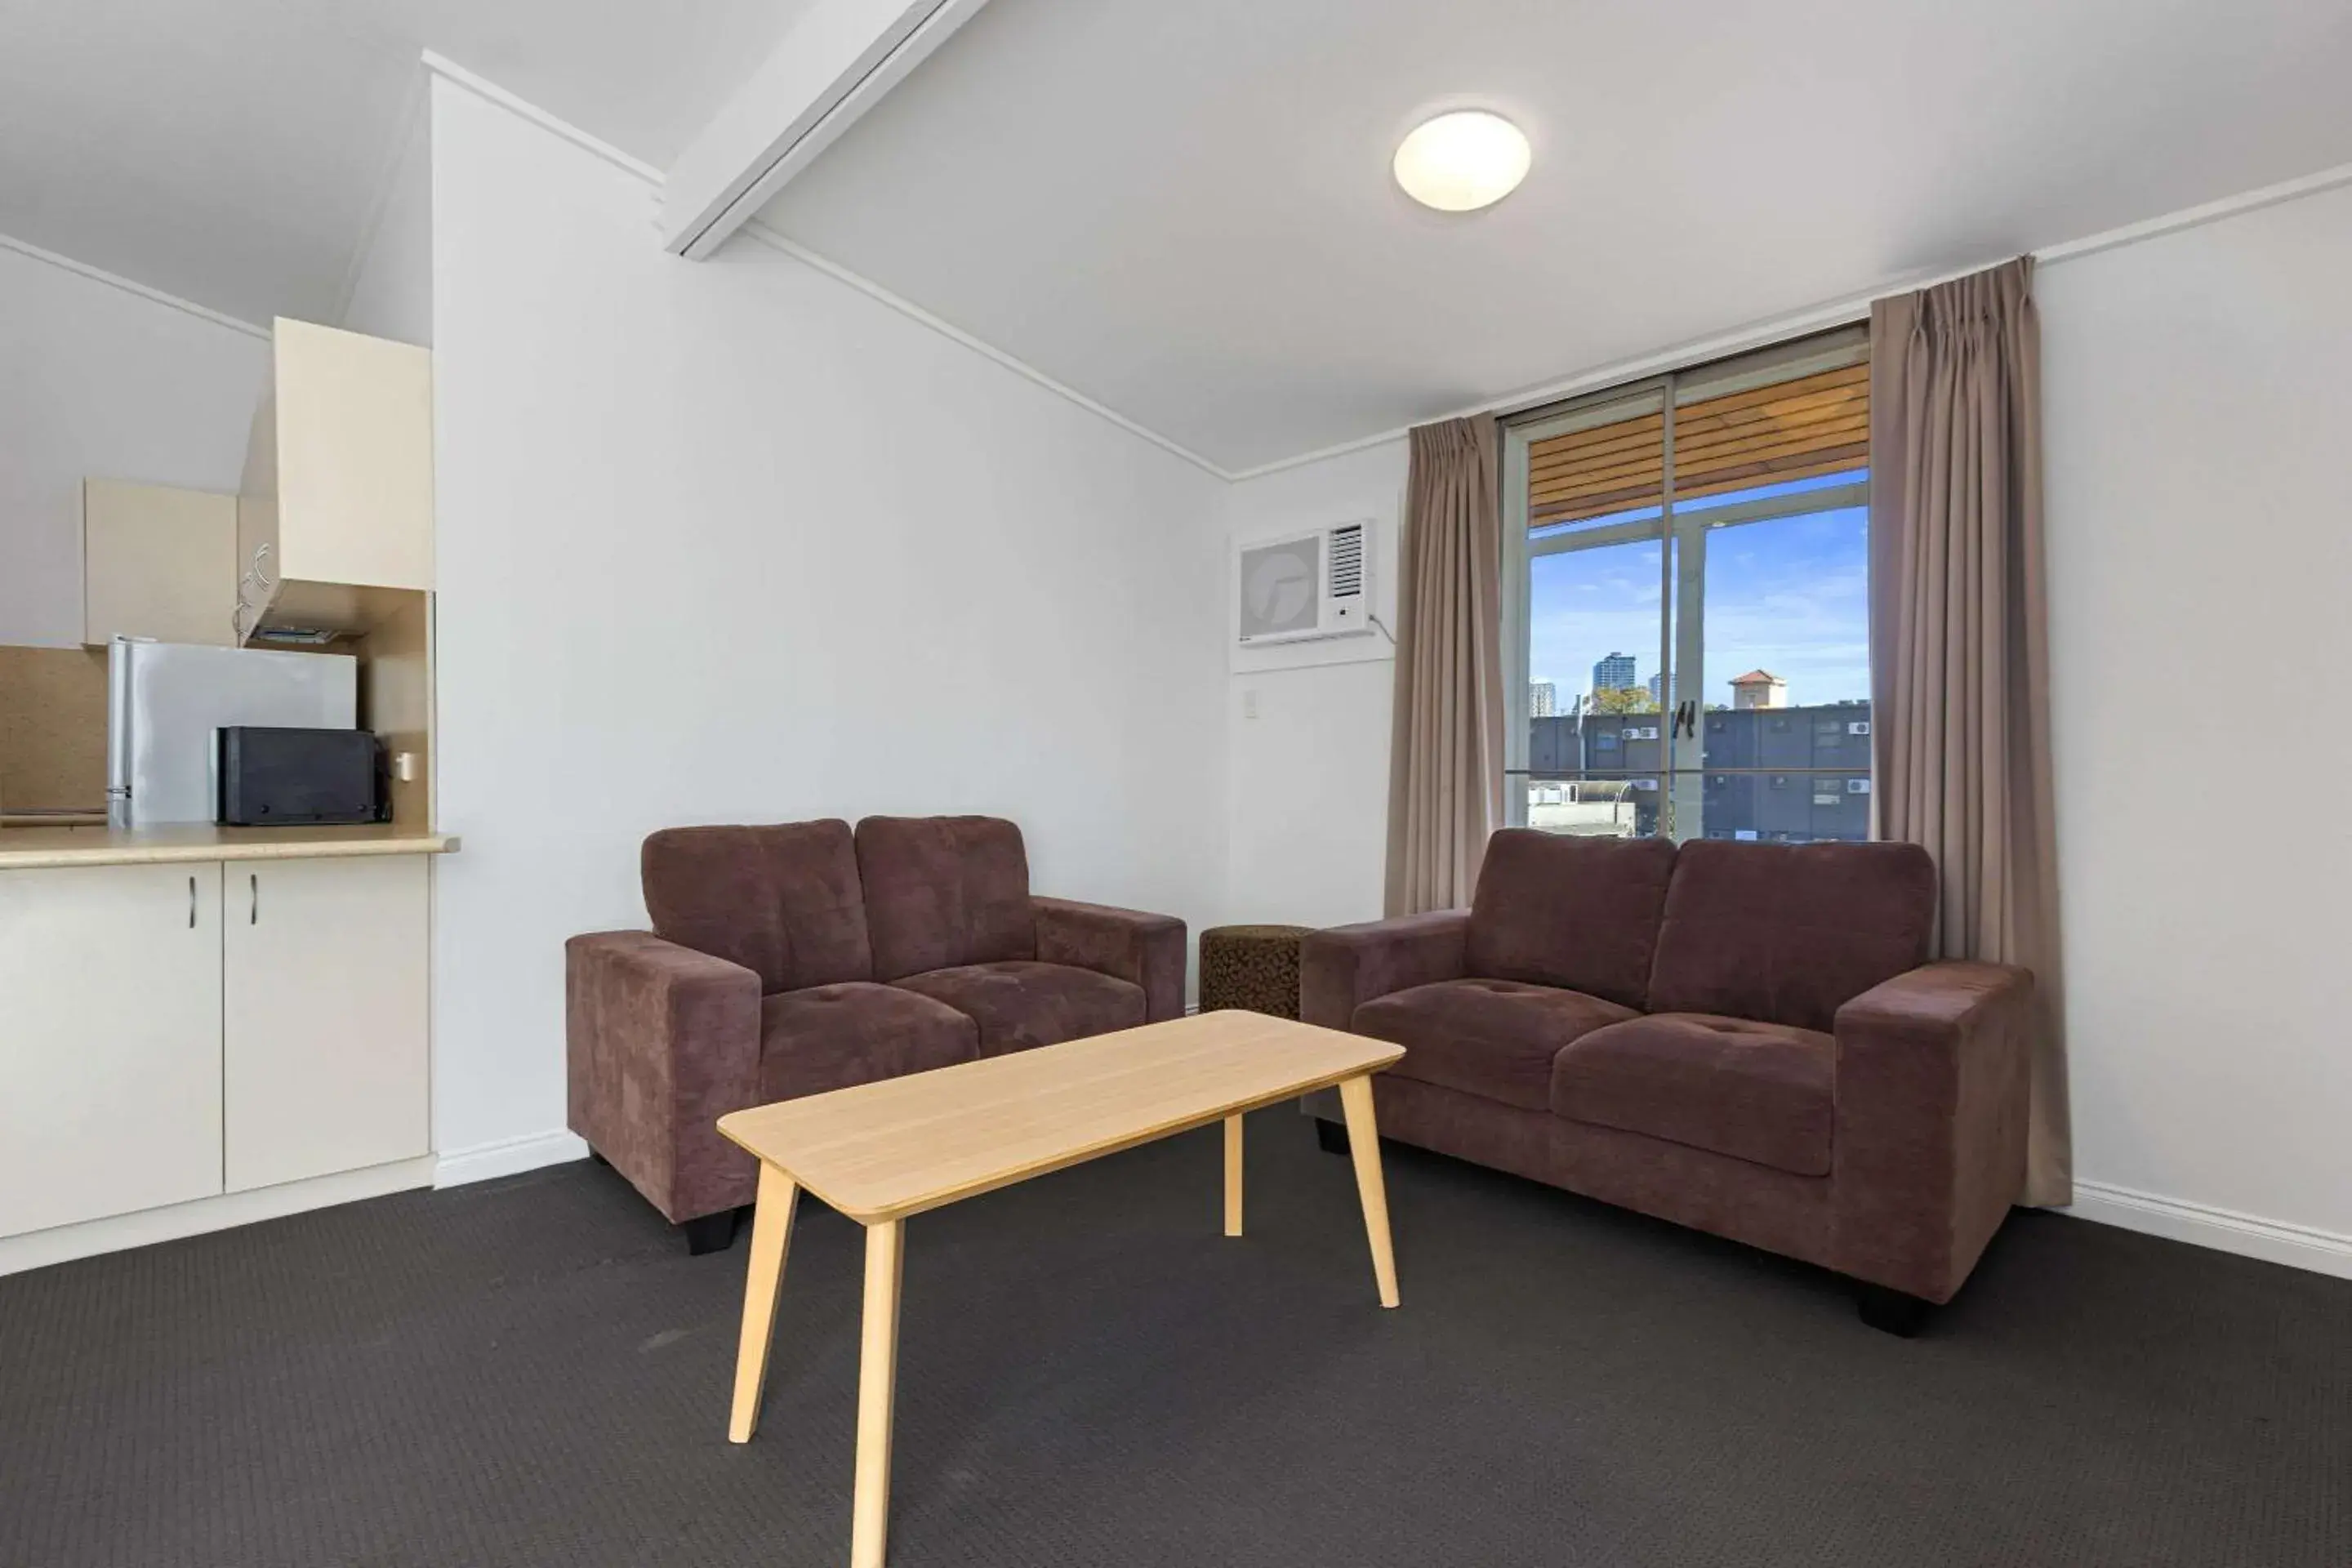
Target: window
{"points": [[1715, 523]]}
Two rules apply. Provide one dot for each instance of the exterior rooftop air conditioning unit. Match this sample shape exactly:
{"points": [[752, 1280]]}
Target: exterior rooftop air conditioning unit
{"points": [[1303, 585]]}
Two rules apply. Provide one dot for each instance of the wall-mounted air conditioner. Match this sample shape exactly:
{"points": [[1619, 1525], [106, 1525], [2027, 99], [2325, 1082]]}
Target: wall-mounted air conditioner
{"points": [[1303, 585]]}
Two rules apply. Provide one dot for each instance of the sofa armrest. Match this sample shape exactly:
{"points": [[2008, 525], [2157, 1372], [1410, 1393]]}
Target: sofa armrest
{"points": [[1341, 969], [1141, 949], [1929, 1152], [662, 1041]]}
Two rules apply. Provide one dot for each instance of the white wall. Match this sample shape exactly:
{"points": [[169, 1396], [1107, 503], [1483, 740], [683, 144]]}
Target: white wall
{"points": [[2199, 408], [1309, 773], [100, 379], [732, 540], [737, 541], [2200, 526], [392, 279]]}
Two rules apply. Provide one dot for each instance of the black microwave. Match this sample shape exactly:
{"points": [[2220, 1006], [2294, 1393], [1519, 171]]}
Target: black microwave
{"points": [[267, 777]]}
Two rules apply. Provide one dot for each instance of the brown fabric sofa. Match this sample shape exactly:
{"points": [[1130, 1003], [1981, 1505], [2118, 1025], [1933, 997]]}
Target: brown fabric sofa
{"points": [[1747, 1039], [795, 959]]}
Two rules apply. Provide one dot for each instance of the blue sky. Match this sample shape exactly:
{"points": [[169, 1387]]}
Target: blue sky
{"points": [[1790, 596]]}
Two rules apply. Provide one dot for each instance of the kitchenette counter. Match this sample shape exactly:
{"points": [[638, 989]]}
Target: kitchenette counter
{"points": [[23, 849]]}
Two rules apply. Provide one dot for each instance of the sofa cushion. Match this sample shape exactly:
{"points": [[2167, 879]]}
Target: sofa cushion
{"points": [[1494, 1039], [1789, 932], [1756, 1091], [1581, 913], [783, 901], [1020, 1004], [830, 1036], [942, 891]]}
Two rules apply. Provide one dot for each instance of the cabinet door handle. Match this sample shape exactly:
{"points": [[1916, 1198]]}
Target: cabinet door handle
{"points": [[192, 903], [253, 909]]}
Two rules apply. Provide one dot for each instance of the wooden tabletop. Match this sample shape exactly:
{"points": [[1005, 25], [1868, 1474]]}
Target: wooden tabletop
{"points": [[884, 1150]]}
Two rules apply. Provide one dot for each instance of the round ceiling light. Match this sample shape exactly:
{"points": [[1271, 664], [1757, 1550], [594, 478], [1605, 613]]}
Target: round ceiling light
{"points": [[1459, 162]]}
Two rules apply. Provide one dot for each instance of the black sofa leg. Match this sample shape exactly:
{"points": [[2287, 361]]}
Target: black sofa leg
{"points": [[1891, 1311], [711, 1233], [1331, 1137]]}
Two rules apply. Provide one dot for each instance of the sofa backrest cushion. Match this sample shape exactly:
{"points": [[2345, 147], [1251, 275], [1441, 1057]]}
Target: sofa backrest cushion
{"points": [[782, 901], [1788, 933], [1583, 913], [944, 891]]}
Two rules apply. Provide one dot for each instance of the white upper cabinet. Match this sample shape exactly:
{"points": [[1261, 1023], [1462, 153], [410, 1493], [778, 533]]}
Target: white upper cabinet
{"points": [[157, 562], [336, 504]]}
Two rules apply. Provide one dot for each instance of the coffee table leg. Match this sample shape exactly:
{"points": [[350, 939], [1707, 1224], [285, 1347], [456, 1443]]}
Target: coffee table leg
{"points": [[1233, 1176], [772, 1231], [1364, 1147], [877, 1380]]}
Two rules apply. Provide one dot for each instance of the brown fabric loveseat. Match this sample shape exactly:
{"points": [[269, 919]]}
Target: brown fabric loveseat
{"points": [[795, 959], [1747, 1039]]}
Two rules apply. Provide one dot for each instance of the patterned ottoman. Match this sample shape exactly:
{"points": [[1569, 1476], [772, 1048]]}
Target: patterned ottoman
{"points": [[1252, 967]]}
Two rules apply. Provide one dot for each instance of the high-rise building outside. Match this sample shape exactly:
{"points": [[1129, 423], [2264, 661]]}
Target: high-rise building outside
{"points": [[1613, 673], [1543, 700]]}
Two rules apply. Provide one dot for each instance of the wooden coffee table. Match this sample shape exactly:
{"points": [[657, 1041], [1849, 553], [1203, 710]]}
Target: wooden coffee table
{"points": [[881, 1151]]}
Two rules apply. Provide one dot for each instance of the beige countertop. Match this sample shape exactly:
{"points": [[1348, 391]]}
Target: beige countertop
{"points": [[22, 848]]}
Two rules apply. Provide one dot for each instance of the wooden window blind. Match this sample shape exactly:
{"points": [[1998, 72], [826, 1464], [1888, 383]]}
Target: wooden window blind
{"points": [[1804, 427]]}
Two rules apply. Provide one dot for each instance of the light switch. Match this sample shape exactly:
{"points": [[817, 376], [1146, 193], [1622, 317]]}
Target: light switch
{"points": [[1249, 702]]}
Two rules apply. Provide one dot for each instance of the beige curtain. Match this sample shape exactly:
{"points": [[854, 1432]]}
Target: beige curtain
{"points": [[1959, 650], [1445, 762]]}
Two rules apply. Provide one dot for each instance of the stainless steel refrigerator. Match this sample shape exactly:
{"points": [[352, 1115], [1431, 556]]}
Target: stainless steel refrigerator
{"points": [[165, 701]]}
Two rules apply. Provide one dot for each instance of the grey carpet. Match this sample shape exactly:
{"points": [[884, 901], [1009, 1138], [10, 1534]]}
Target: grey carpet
{"points": [[531, 1372]]}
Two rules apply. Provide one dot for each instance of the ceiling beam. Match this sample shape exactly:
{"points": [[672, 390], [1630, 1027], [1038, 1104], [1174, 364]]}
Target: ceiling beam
{"points": [[836, 62]]}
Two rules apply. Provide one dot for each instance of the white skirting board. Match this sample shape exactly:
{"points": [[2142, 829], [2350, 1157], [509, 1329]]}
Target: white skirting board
{"points": [[2297, 1246], [2224, 1231], [116, 1233], [509, 1157]]}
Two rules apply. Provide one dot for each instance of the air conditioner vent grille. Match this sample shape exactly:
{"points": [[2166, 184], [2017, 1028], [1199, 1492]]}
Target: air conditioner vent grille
{"points": [[1347, 562]]}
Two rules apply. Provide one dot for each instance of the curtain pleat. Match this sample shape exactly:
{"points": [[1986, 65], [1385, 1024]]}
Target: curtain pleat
{"points": [[1446, 762], [1959, 642]]}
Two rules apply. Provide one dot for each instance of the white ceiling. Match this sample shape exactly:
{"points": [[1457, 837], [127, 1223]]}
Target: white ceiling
{"points": [[231, 152], [1184, 210]]}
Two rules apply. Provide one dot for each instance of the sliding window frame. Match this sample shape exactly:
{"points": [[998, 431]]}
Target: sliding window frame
{"points": [[1680, 529]]}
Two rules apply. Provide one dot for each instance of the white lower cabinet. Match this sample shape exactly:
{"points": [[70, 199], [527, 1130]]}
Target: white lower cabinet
{"points": [[323, 1017], [110, 1041], [181, 1031]]}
